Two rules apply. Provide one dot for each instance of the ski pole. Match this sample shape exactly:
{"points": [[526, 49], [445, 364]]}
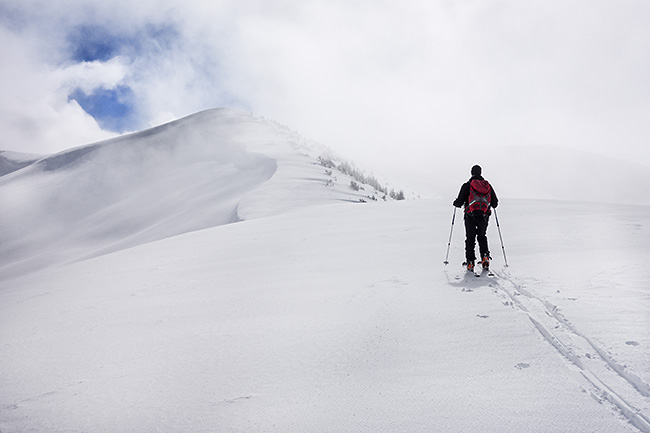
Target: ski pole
{"points": [[453, 218], [501, 237]]}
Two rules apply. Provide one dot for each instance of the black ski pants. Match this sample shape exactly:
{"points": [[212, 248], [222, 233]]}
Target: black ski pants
{"points": [[475, 229]]}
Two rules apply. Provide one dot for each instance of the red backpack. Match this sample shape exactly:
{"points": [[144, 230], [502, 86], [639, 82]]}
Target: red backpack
{"points": [[480, 196]]}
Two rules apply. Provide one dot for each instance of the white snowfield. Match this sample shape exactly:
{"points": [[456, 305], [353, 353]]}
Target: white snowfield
{"points": [[129, 304]]}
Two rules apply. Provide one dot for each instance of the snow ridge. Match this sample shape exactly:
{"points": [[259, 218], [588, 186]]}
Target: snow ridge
{"points": [[212, 168]]}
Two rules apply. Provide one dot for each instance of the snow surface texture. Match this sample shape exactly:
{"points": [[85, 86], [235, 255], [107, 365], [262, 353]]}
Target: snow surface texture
{"points": [[310, 314]]}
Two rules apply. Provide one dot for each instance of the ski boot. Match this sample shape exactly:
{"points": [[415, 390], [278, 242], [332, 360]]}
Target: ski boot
{"points": [[486, 262], [470, 265]]}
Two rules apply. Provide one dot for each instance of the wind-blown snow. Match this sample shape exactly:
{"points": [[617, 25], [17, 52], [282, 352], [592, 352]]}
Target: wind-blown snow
{"points": [[194, 173], [310, 314]]}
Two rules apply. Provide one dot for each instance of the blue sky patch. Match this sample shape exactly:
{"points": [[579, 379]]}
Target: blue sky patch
{"points": [[114, 109], [111, 108], [89, 43]]}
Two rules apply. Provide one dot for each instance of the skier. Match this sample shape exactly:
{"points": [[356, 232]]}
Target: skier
{"points": [[478, 197]]}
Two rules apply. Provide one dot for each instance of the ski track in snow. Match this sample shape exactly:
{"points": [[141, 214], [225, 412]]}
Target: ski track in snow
{"points": [[606, 379]]}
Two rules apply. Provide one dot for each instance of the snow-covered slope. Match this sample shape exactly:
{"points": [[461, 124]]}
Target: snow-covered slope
{"points": [[310, 314], [212, 168], [340, 318]]}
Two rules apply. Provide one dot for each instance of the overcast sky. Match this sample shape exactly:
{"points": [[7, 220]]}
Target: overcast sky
{"points": [[399, 80]]}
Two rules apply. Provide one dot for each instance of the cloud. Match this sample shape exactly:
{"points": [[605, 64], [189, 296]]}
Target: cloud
{"points": [[35, 114], [392, 83], [411, 80], [70, 73]]}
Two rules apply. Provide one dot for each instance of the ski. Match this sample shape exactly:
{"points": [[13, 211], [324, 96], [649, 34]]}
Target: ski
{"points": [[483, 273]]}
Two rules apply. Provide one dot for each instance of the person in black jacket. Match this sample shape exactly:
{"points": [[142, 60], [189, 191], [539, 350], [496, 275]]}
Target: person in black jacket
{"points": [[477, 197]]}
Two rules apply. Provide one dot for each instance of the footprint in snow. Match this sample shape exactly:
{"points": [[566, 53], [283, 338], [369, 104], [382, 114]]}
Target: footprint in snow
{"points": [[482, 316], [632, 343], [522, 366]]}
